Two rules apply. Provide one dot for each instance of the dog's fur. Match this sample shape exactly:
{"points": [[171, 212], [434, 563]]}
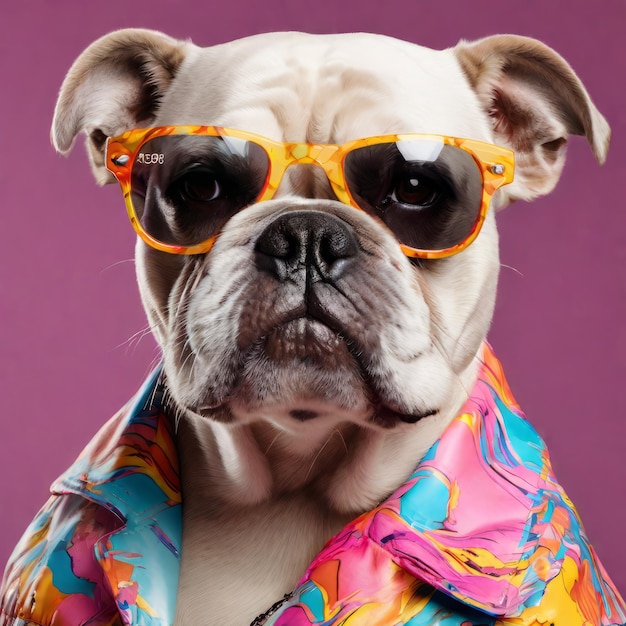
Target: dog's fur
{"points": [[294, 397]]}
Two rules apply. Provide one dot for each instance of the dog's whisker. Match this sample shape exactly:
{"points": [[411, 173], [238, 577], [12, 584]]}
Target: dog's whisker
{"points": [[155, 362], [272, 442], [316, 457], [321, 450], [184, 346], [173, 410], [117, 264], [134, 340], [343, 440], [513, 269]]}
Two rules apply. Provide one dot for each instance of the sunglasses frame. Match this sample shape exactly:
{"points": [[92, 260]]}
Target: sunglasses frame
{"points": [[495, 163]]}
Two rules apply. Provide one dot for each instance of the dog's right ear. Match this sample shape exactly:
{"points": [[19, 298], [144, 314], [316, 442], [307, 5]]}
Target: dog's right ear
{"points": [[116, 84]]}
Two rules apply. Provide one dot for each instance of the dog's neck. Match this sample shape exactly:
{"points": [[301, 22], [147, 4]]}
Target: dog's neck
{"points": [[346, 466]]}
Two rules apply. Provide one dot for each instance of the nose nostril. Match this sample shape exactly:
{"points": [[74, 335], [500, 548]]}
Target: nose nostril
{"points": [[306, 242], [278, 242], [337, 244]]}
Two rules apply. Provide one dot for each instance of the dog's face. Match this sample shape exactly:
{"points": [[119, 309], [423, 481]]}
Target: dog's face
{"points": [[321, 335], [306, 313]]}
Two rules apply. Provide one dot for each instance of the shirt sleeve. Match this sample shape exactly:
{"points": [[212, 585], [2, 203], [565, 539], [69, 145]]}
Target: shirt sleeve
{"points": [[53, 575]]}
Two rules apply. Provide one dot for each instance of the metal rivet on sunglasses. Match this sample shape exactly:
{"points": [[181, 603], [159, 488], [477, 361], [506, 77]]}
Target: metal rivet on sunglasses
{"points": [[121, 160], [498, 169]]}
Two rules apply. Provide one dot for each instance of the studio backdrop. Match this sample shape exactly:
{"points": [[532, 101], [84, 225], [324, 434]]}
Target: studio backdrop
{"points": [[73, 337]]}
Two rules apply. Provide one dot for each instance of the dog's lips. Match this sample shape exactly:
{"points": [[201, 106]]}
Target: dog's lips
{"points": [[388, 417], [311, 341], [306, 340]]}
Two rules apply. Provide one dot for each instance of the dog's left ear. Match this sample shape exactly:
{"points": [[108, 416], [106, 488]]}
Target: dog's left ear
{"points": [[534, 101]]}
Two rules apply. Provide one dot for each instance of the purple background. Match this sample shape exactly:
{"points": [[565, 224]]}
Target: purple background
{"points": [[72, 331]]}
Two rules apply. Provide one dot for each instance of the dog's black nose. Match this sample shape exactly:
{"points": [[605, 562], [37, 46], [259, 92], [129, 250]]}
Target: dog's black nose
{"points": [[310, 244]]}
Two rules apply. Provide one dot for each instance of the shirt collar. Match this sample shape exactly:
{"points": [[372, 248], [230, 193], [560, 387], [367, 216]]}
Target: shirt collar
{"points": [[131, 468], [472, 519]]}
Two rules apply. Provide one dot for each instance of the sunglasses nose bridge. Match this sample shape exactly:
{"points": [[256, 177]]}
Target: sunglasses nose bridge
{"points": [[327, 157]]}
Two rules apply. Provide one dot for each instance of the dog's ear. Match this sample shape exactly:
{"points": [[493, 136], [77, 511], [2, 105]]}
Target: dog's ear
{"points": [[116, 84], [534, 101]]}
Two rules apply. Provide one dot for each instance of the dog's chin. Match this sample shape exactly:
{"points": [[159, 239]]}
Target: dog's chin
{"points": [[303, 371]]}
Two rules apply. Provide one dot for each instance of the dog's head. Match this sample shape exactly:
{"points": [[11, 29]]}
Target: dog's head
{"points": [[306, 312]]}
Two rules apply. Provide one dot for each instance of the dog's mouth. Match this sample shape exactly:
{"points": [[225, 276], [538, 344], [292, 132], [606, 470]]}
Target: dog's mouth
{"points": [[307, 343], [388, 417], [306, 340]]}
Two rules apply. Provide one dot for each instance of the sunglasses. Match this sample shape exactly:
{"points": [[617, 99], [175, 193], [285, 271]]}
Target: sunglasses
{"points": [[181, 184]]}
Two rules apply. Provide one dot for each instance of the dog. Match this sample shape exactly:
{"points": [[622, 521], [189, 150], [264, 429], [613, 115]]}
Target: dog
{"points": [[318, 260]]}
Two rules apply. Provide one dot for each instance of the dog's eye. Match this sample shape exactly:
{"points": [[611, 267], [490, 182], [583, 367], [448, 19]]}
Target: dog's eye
{"points": [[415, 190], [198, 185]]}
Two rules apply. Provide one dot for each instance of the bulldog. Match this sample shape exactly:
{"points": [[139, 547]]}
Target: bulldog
{"points": [[317, 256]]}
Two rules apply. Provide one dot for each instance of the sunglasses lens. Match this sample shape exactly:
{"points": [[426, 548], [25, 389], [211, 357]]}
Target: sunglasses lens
{"points": [[185, 187], [429, 194]]}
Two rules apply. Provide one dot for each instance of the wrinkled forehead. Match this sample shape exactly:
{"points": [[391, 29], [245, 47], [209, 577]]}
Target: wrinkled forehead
{"points": [[324, 88]]}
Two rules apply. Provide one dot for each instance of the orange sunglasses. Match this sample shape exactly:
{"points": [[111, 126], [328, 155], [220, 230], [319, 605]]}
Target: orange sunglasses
{"points": [[181, 184]]}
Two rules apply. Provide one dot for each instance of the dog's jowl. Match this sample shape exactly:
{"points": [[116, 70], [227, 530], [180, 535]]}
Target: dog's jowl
{"points": [[329, 438]]}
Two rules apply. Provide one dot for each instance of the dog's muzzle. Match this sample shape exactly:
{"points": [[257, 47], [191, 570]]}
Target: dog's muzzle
{"points": [[302, 310], [312, 260], [302, 256]]}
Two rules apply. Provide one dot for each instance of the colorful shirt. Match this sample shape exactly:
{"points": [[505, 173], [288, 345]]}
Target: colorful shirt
{"points": [[481, 534]]}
